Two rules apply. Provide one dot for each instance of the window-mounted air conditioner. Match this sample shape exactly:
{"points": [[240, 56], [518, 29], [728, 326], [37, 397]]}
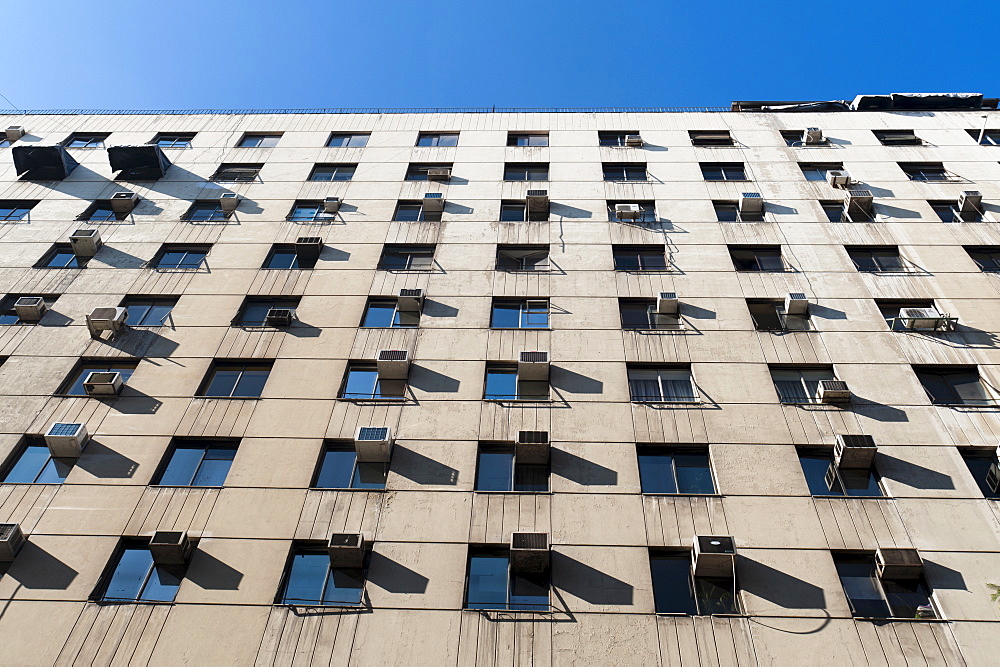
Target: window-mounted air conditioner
{"points": [[103, 383], [85, 242], [970, 201], [838, 178], [860, 198], [667, 303], [529, 552], [898, 564], [433, 202], [714, 556], [373, 443], [854, 452], [124, 202], [751, 202], [834, 391], [393, 364], [107, 319], [308, 248], [331, 204], [279, 317], [11, 541], [537, 201], [796, 303], [926, 319], [533, 366], [30, 308], [66, 440], [14, 132], [634, 140], [346, 550], [532, 447], [628, 212], [439, 174], [228, 201], [170, 547], [812, 136], [410, 299]]}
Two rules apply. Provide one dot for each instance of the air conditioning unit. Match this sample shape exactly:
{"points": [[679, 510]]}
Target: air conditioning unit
{"points": [[373, 443], [107, 319], [529, 552], [532, 447], [331, 204], [751, 202], [170, 547], [30, 308], [834, 391], [838, 178], [714, 556], [393, 364], [854, 452], [924, 319], [813, 135], [667, 303], [970, 201], [11, 541], [796, 303], [533, 366], [66, 440], [228, 201], [633, 140], [537, 201], [433, 202], [124, 202], [279, 317], [410, 300], [14, 132], [628, 212], [103, 383], [308, 248], [860, 198], [439, 174], [898, 564], [85, 242], [346, 550]]}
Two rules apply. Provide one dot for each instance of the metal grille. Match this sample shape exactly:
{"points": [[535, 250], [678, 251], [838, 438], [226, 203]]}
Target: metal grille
{"points": [[29, 301], [797, 296], [537, 193], [392, 355], [433, 195], [345, 540], [534, 357], [860, 194], [668, 295], [101, 378], [533, 437], [857, 440], [61, 428], [308, 240], [373, 433], [411, 292], [834, 385], [167, 537], [7, 531], [752, 195], [529, 541]]}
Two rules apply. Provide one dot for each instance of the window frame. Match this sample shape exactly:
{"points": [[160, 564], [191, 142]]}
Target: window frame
{"points": [[334, 169], [989, 137], [534, 172], [898, 137], [196, 443], [878, 586], [133, 301], [410, 250], [351, 136], [354, 476], [16, 205], [516, 136], [711, 138], [526, 471], [395, 315], [211, 206], [185, 248], [418, 171], [318, 215], [757, 252], [662, 396], [60, 467], [984, 250], [125, 545], [85, 366], [780, 315], [318, 549], [529, 251], [527, 308], [700, 604], [642, 252], [264, 140], [379, 391], [521, 386], [927, 172], [614, 138], [654, 321], [805, 397], [255, 303], [646, 450], [433, 139], [629, 172], [7, 308], [845, 490], [237, 172], [175, 138], [232, 364], [486, 551], [876, 252], [74, 261], [92, 140], [724, 169], [942, 371]]}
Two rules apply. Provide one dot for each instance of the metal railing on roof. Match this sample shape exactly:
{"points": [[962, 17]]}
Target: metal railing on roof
{"points": [[370, 110]]}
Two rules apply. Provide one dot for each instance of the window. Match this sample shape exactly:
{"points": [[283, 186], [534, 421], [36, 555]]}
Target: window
{"points": [[497, 469], [437, 139], [237, 172], [332, 172], [814, 171], [527, 139], [677, 591], [793, 137], [9, 316], [897, 137], [407, 258], [522, 257], [33, 464], [729, 211], [61, 256], [235, 379], [101, 211], [834, 211], [799, 385], [980, 461], [674, 470], [647, 211], [710, 138], [339, 468], [953, 385], [73, 386], [259, 140], [13, 210], [418, 172], [385, 313], [723, 171], [639, 258], [757, 258], [824, 479], [503, 384], [311, 579], [177, 140], [513, 211], [148, 312], [198, 463], [361, 382], [877, 259], [254, 310], [285, 256], [494, 584], [520, 314], [926, 171], [948, 211], [871, 597], [86, 140], [661, 384], [136, 578], [769, 315], [205, 211], [173, 256], [989, 137], [641, 314], [987, 258], [339, 140], [625, 172], [614, 138], [413, 211], [891, 311], [538, 171], [309, 211]]}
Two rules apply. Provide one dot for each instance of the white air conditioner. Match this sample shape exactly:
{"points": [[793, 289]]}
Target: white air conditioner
{"points": [[714, 556], [813, 135], [393, 364], [628, 212], [838, 178], [331, 204], [898, 564], [533, 366], [796, 303], [228, 201], [410, 300], [170, 547], [633, 140], [532, 447], [279, 317], [433, 202], [537, 201], [107, 319], [103, 383], [11, 541], [373, 443], [85, 242], [66, 440], [860, 198], [30, 308], [124, 202], [667, 303], [970, 201], [834, 391], [439, 174], [346, 550], [854, 452], [14, 132], [925, 319], [529, 552], [751, 202]]}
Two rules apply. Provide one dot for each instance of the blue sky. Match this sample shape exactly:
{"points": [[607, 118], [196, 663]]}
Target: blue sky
{"points": [[444, 53]]}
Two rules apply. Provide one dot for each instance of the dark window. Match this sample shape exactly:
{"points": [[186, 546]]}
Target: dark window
{"points": [[639, 257], [310, 579], [198, 463], [340, 140], [332, 172], [73, 386], [339, 468], [926, 171], [824, 479], [878, 259], [86, 140], [726, 211], [871, 597], [148, 312], [948, 211], [677, 591], [891, 311], [180, 257], [672, 470], [237, 173], [799, 385], [614, 138], [647, 211], [33, 464], [503, 384], [497, 469], [492, 584], [520, 314], [136, 578], [527, 139], [834, 210], [384, 313], [641, 314], [710, 138], [538, 171], [437, 139], [254, 310], [986, 257], [666, 384], [236, 379], [407, 258], [309, 211], [897, 137], [981, 462], [61, 256], [989, 137], [625, 172], [723, 171], [11, 210], [793, 137], [418, 172], [413, 211], [175, 140], [760, 258], [204, 211], [953, 385], [522, 257], [362, 382], [769, 315], [259, 140], [817, 171], [8, 315], [100, 211], [513, 211]]}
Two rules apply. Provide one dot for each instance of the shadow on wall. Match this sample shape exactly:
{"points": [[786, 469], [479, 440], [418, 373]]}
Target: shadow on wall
{"points": [[421, 469], [208, 572], [580, 470], [102, 461], [36, 568], [393, 577], [590, 585], [912, 474], [575, 383], [777, 587], [425, 379]]}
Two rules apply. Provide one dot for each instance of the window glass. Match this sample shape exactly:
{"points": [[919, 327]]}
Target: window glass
{"points": [[362, 382], [527, 139], [309, 211], [383, 313], [932, 171], [663, 470], [715, 596], [174, 140], [148, 312], [765, 316], [79, 140], [723, 171], [834, 211], [756, 259], [260, 141], [62, 258], [75, 386], [437, 139], [661, 385], [877, 260], [180, 258], [857, 576], [979, 463], [311, 580], [198, 464], [347, 141], [282, 257], [639, 258], [613, 138], [487, 581], [625, 172], [672, 592], [254, 311], [523, 258], [799, 386], [501, 383], [36, 466], [520, 315], [237, 380], [340, 469], [10, 210], [332, 172], [512, 212], [529, 591], [954, 387], [409, 212], [205, 211], [137, 578], [494, 468], [526, 172]]}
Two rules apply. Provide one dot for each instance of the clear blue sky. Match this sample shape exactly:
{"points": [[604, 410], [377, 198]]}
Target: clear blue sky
{"points": [[136, 54]]}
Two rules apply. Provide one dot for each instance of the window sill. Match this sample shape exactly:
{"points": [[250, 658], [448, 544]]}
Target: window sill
{"points": [[658, 402], [371, 399], [480, 610], [231, 398], [671, 614], [683, 495], [521, 328], [142, 602], [966, 405], [416, 327], [518, 400], [514, 493], [319, 605], [181, 486], [896, 619], [847, 497], [330, 488]]}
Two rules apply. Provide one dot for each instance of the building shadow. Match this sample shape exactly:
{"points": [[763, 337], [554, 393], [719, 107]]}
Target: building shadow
{"points": [[395, 577], [35, 568], [587, 583], [208, 572], [428, 380], [778, 587], [580, 470], [421, 469], [912, 474], [101, 461]]}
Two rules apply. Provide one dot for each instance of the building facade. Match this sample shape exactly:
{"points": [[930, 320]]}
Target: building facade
{"points": [[501, 387]]}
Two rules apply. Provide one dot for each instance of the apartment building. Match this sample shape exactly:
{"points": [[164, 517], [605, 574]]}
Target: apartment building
{"points": [[623, 386]]}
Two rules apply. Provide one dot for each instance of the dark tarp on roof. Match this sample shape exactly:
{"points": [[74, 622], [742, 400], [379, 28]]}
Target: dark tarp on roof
{"points": [[43, 163], [145, 163]]}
